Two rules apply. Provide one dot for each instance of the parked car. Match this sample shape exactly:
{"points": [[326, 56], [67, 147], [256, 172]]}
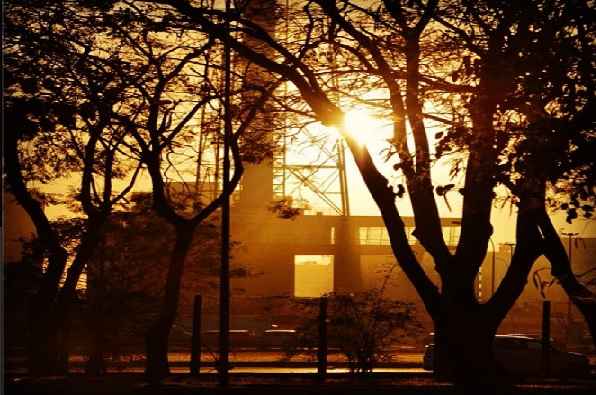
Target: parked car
{"points": [[239, 338], [522, 356], [278, 338]]}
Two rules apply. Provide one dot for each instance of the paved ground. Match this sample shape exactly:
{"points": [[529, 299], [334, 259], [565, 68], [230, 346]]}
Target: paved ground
{"points": [[263, 373], [266, 356], [242, 361], [258, 384], [266, 369]]}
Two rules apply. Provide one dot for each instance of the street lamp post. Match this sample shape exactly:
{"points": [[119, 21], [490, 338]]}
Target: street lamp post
{"points": [[224, 284]]}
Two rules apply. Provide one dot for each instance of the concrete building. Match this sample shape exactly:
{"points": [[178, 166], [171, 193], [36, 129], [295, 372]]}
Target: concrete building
{"points": [[311, 255]]}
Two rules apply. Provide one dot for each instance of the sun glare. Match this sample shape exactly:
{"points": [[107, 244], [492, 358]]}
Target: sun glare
{"points": [[363, 127]]}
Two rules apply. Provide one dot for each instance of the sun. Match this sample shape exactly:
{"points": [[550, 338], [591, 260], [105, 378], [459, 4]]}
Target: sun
{"points": [[363, 127]]}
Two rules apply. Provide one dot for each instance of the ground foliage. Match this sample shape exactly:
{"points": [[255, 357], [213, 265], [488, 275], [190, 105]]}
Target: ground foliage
{"points": [[364, 327]]}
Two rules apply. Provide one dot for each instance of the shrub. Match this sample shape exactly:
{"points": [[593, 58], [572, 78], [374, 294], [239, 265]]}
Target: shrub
{"points": [[362, 326]]}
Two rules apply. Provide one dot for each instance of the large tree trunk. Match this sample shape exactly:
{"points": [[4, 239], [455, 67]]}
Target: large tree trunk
{"points": [[42, 343], [97, 314], [463, 347], [68, 293], [156, 340], [465, 330], [462, 343]]}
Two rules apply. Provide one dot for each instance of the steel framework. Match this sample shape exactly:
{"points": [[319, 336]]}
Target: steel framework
{"points": [[323, 181]]}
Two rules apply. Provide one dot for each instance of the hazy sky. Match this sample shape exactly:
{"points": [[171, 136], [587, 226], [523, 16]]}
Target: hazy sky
{"points": [[361, 203]]}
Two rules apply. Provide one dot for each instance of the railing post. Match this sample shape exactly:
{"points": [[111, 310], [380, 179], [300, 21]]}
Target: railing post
{"points": [[195, 356], [322, 349]]}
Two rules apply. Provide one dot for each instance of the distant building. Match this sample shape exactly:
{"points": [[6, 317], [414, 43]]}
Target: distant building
{"points": [[311, 255]]}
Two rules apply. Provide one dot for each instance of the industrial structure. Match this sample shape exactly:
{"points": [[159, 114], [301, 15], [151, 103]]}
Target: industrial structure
{"points": [[322, 248], [292, 222]]}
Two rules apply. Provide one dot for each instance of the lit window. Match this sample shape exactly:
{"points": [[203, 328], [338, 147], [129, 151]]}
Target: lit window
{"points": [[313, 275], [378, 236], [451, 235]]}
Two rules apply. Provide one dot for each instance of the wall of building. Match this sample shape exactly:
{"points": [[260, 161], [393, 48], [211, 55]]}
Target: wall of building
{"points": [[268, 245]]}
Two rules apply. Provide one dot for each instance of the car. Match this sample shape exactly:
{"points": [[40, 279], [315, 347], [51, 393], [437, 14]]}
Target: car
{"points": [[278, 338], [520, 355]]}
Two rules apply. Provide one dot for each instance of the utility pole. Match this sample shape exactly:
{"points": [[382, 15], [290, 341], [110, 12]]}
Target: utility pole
{"points": [[224, 279]]}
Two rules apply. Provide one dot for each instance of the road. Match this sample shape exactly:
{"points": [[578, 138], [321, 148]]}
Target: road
{"points": [[245, 361], [272, 370]]}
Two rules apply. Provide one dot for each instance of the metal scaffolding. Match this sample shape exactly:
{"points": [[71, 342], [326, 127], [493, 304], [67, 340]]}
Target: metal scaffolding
{"points": [[317, 184]]}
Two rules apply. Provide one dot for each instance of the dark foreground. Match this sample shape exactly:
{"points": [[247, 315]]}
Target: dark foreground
{"points": [[258, 384]]}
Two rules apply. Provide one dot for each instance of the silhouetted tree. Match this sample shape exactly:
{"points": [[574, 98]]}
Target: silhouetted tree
{"points": [[166, 105], [125, 280], [61, 98], [474, 58]]}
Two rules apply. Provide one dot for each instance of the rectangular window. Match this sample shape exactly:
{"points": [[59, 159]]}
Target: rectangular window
{"points": [[378, 236], [375, 236], [313, 275], [451, 235]]}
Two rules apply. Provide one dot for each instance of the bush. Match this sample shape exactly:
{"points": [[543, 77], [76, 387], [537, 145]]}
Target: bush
{"points": [[362, 326]]}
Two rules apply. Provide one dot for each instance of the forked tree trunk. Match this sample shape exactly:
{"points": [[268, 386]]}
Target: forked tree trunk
{"points": [[463, 353], [59, 332], [156, 340], [463, 344]]}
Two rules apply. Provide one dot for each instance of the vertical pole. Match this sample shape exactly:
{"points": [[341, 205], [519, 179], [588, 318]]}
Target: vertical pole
{"points": [[569, 329], [546, 337], [195, 356], [570, 236], [493, 274], [224, 287], [322, 349], [343, 180], [494, 261]]}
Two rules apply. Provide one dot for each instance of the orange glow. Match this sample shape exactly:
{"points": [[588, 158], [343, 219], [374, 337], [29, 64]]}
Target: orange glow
{"points": [[363, 126]]}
